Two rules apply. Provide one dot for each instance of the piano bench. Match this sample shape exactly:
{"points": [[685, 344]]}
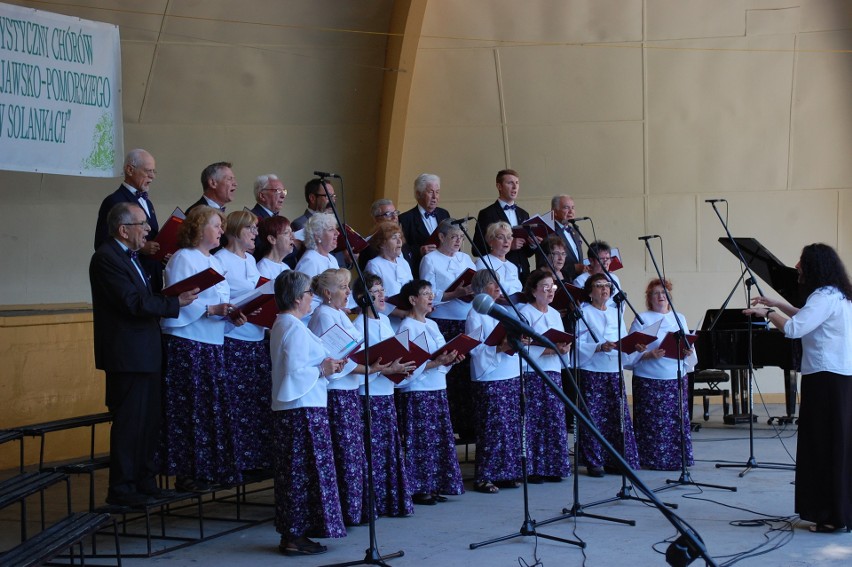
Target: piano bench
{"points": [[712, 380]]}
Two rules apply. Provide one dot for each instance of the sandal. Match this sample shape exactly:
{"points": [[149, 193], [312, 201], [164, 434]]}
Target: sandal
{"points": [[826, 529], [301, 546], [486, 487]]}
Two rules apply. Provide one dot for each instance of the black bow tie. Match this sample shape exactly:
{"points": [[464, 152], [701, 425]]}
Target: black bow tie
{"points": [[509, 207], [142, 195], [132, 254], [427, 214]]}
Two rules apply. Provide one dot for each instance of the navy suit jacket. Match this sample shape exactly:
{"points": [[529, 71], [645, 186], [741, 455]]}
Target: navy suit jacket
{"points": [[416, 233], [124, 195], [126, 313], [495, 213]]}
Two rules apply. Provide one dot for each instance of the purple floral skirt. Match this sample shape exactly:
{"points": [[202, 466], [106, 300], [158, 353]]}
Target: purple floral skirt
{"points": [[430, 448], [547, 436], [198, 425], [604, 397], [498, 430], [347, 442], [655, 422], [306, 497], [248, 368], [393, 496]]}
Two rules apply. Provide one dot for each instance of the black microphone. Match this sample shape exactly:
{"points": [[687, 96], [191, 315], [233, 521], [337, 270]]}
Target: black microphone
{"points": [[326, 174], [573, 221], [650, 236], [715, 200], [461, 221], [485, 304]]}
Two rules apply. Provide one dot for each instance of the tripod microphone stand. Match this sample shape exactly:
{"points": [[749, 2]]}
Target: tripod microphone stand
{"points": [[372, 556], [751, 463], [685, 478], [528, 526]]}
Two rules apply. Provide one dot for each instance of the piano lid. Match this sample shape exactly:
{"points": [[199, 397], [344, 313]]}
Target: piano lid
{"points": [[770, 269]]}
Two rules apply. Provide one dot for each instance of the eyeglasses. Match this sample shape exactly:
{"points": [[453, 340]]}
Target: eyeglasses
{"points": [[559, 254], [388, 214], [318, 195], [603, 285], [426, 294], [279, 192], [143, 224], [148, 172], [378, 291], [543, 287], [604, 259], [307, 291], [252, 228]]}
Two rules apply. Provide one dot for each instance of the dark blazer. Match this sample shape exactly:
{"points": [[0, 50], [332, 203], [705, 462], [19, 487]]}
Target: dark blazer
{"points": [[415, 233], [126, 313], [260, 212], [568, 271], [124, 195], [495, 213]]}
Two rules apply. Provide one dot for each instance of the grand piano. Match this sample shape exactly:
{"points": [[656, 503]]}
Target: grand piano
{"points": [[722, 341]]}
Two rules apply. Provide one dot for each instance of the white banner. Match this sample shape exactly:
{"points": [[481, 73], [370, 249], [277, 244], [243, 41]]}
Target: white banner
{"points": [[60, 94]]}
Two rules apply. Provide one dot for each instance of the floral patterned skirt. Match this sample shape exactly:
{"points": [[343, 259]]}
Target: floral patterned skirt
{"points": [[306, 498], [347, 442], [198, 426], [393, 496], [547, 436], [498, 430], [658, 425], [604, 398], [430, 448], [248, 368]]}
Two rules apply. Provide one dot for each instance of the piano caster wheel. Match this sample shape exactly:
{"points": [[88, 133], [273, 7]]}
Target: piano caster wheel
{"points": [[770, 420]]}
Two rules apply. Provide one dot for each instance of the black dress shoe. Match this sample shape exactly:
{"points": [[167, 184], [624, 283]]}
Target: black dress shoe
{"points": [[156, 492], [438, 498], [301, 546], [610, 469], [595, 472], [423, 499], [184, 484], [130, 499], [535, 479]]}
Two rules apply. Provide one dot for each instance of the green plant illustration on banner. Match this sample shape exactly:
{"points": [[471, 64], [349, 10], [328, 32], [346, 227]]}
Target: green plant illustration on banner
{"points": [[103, 145]]}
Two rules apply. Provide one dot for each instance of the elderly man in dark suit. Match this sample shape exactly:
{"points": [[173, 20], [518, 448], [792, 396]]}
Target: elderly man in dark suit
{"points": [[421, 221], [563, 212], [269, 192], [218, 185], [126, 315], [139, 171], [505, 209]]}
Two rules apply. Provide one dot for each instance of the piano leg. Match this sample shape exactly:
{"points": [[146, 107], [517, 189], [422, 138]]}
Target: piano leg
{"points": [[739, 398]]}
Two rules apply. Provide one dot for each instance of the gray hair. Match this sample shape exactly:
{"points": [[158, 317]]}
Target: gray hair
{"points": [[262, 182], [374, 208], [289, 286], [554, 202], [315, 226], [492, 229], [134, 157], [423, 180], [121, 213], [447, 227], [480, 280]]}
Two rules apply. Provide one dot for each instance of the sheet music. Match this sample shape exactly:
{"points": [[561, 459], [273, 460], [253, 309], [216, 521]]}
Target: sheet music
{"points": [[339, 343]]}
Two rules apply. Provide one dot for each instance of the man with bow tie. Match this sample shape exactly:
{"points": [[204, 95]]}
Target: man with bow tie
{"points": [[563, 212], [128, 347], [139, 171], [505, 209], [421, 221]]}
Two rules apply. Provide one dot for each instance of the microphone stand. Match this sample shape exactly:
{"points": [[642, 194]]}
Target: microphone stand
{"points": [[689, 544], [577, 510], [685, 478], [751, 463], [372, 555], [528, 525]]}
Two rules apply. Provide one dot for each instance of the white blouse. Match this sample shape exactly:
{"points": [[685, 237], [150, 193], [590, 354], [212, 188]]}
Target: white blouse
{"points": [[296, 357], [191, 322], [486, 364], [242, 277], [441, 270], [269, 269], [379, 330], [542, 322], [325, 317], [660, 368], [506, 271], [422, 380], [825, 326], [605, 325]]}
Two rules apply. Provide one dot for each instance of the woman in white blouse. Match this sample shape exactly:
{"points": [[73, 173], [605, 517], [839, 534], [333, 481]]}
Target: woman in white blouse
{"points": [[441, 268], [547, 437], [495, 372], [246, 354], [600, 382], [306, 497], [424, 416], [499, 239], [392, 492], [274, 243], [199, 433], [390, 266], [658, 423]]}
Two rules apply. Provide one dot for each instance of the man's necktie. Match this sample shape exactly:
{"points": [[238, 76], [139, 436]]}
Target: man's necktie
{"points": [[428, 214], [142, 195], [509, 207]]}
